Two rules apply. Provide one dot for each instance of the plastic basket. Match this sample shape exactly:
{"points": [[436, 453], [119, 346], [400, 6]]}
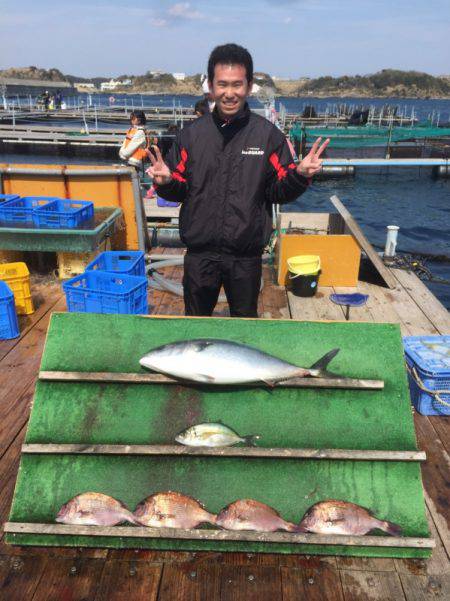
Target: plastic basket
{"points": [[119, 261], [428, 361], [21, 210], [9, 327], [6, 197], [17, 276], [63, 213], [103, 292]]}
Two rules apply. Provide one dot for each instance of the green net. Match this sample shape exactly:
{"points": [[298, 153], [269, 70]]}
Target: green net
{"points": [[358, 136]]}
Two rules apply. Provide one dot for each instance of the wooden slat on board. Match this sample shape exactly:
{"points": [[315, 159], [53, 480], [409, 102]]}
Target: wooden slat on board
{"points": [[221, 535], [292, 453], [136, 378], [364, 243]]}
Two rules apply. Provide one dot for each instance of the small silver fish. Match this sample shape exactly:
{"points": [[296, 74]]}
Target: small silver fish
{"points": [[248, 514], [172, 510], [94, 509], [214, 361], [212, 435], [341, 517]]}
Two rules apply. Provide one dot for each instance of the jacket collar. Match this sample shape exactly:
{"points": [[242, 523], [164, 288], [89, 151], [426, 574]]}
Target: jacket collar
{"points": [[236, 122]]}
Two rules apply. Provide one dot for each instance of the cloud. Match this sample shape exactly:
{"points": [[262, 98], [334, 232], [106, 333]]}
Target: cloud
{"points": [[183, 11], [287, 20], [158, 22]]}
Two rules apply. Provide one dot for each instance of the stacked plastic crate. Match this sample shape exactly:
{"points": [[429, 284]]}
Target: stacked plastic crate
{"points": [[114, 282]]}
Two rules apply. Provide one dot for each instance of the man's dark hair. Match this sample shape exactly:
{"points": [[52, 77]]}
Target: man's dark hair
{"points": [[201, 106], [140, 116], [230, 54]]}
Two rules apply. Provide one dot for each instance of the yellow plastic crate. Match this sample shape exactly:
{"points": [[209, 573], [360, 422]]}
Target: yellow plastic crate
{"points": [[72, 264], [17, 276]]}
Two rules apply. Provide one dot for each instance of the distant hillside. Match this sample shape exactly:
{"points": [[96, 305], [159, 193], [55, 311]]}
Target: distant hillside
{"points": [[385, 83], [34, 73]]}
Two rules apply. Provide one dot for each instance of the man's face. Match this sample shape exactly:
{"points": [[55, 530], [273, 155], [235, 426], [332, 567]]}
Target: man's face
{"points": [[229, 89]]}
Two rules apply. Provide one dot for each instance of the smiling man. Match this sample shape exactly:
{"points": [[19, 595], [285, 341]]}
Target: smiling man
{"points": [[227, 169]]}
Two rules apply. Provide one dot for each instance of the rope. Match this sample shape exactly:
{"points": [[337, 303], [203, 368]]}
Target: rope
{"points": [[436, 394]]}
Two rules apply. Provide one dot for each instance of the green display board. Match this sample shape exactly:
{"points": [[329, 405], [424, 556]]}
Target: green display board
{"points": [[95, 413]]}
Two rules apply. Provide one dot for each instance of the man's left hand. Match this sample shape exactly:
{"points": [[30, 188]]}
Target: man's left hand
{"points": [[312, 163]]}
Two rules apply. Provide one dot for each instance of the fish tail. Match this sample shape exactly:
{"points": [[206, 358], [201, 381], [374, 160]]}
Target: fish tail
{"points": [[290, 527], [251, 440], [212, 518], [390, 528], [134, 520], [319, 368]]}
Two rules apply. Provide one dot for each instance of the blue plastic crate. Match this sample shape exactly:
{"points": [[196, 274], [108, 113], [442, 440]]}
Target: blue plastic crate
{"points": [[103, 292], [9, 326], [6, 197], [429, 356], [63, 213], [130, 262], [21, 210]]}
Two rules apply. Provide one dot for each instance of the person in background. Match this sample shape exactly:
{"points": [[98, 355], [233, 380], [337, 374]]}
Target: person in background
{"points": [[227, 169], [201, 107], [136, 143]]}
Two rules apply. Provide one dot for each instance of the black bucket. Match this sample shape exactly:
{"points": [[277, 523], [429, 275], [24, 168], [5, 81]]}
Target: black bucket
{"points": [[304, 285]]}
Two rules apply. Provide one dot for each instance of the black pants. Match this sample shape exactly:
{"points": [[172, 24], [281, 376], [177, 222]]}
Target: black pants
{"points": [[205, 274]]}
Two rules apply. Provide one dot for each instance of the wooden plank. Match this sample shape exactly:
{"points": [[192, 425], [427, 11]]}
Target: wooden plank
{"points": [[129, 580], [221, 535], [425, 300], [366, 564], [435, 477], [364, 243], [426, 588], [190, 583], [74, 579], [110, 449], [255, 583], [312, 584], [20, 576], [17, 376], [376, 586], [152, 378], [44, 298]]}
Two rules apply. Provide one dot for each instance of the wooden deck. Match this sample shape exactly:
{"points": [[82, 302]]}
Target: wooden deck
{"points": [[37, 574]]}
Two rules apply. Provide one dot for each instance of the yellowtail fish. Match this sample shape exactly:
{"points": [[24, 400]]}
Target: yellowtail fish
{"points": [[341, 517], [94, 509], [248, 514], [213, 435], [214, 361], [172, 510]]}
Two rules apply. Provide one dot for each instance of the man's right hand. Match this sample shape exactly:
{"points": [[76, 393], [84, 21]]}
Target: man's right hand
{"points": [[158, 170]]}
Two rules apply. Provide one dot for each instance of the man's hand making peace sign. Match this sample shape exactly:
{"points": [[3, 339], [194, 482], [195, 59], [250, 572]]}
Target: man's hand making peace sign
{"points": [[159, 171], [312, 162]]}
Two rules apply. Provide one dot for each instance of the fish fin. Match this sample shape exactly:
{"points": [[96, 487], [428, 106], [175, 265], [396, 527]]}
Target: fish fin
{"points": [[205, 378], [270, 383], [390, 528], [321, 365], [251, 440]]}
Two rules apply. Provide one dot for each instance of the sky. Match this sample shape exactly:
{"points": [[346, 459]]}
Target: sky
{"points": [[287, 38]]}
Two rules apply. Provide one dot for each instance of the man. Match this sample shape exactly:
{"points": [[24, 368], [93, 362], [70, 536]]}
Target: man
{"points": [[227, 169]]}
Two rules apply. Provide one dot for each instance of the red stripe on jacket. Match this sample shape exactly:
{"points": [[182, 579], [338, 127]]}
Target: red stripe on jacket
{"points": [[281, 171], [181, 167]]}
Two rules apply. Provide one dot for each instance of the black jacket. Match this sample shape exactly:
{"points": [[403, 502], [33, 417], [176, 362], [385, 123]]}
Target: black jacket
{"points": [[228, 175]]}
